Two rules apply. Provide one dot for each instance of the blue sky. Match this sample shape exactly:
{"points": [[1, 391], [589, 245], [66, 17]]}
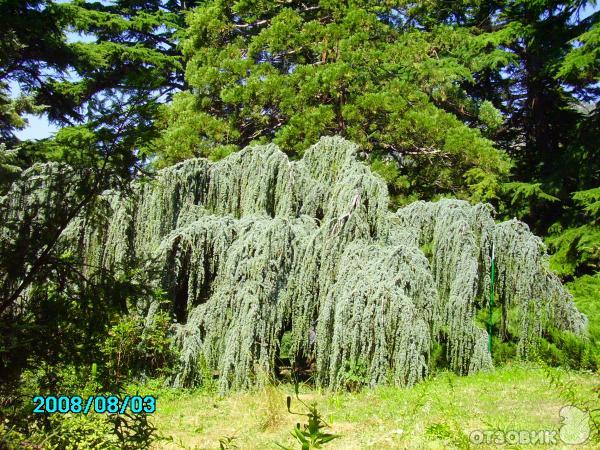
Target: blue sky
{"points": [[40, 128]]}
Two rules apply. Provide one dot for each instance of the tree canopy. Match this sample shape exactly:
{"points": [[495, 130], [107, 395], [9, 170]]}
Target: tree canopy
{"points": [[294, 71]]}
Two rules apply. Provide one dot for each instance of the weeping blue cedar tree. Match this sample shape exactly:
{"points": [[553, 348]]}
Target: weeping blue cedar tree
{"points": [[254, 246]]}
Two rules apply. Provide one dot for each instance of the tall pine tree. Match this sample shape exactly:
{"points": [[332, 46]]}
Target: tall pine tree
{"points": [[291, 72], [547, 90]]}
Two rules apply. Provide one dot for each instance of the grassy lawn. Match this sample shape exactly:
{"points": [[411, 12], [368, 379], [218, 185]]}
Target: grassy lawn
{"points": [[439, 413]]}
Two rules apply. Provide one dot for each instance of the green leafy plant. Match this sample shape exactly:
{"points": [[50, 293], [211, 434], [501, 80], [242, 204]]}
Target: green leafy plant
{"points": [[21, 429], [134, 431], [134, 347], [75, 431], [355, 374], [227, 443], [449, 433], [309, 435]]}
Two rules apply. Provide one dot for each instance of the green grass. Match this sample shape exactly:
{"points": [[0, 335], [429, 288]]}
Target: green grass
{"points": [[438, 413]]}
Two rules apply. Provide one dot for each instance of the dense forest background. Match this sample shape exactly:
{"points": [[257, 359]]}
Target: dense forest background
{"points": [[486, 101]]}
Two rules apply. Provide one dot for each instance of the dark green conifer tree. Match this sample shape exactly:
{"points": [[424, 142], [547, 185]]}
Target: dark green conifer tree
{"points": [[293, 71]]}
